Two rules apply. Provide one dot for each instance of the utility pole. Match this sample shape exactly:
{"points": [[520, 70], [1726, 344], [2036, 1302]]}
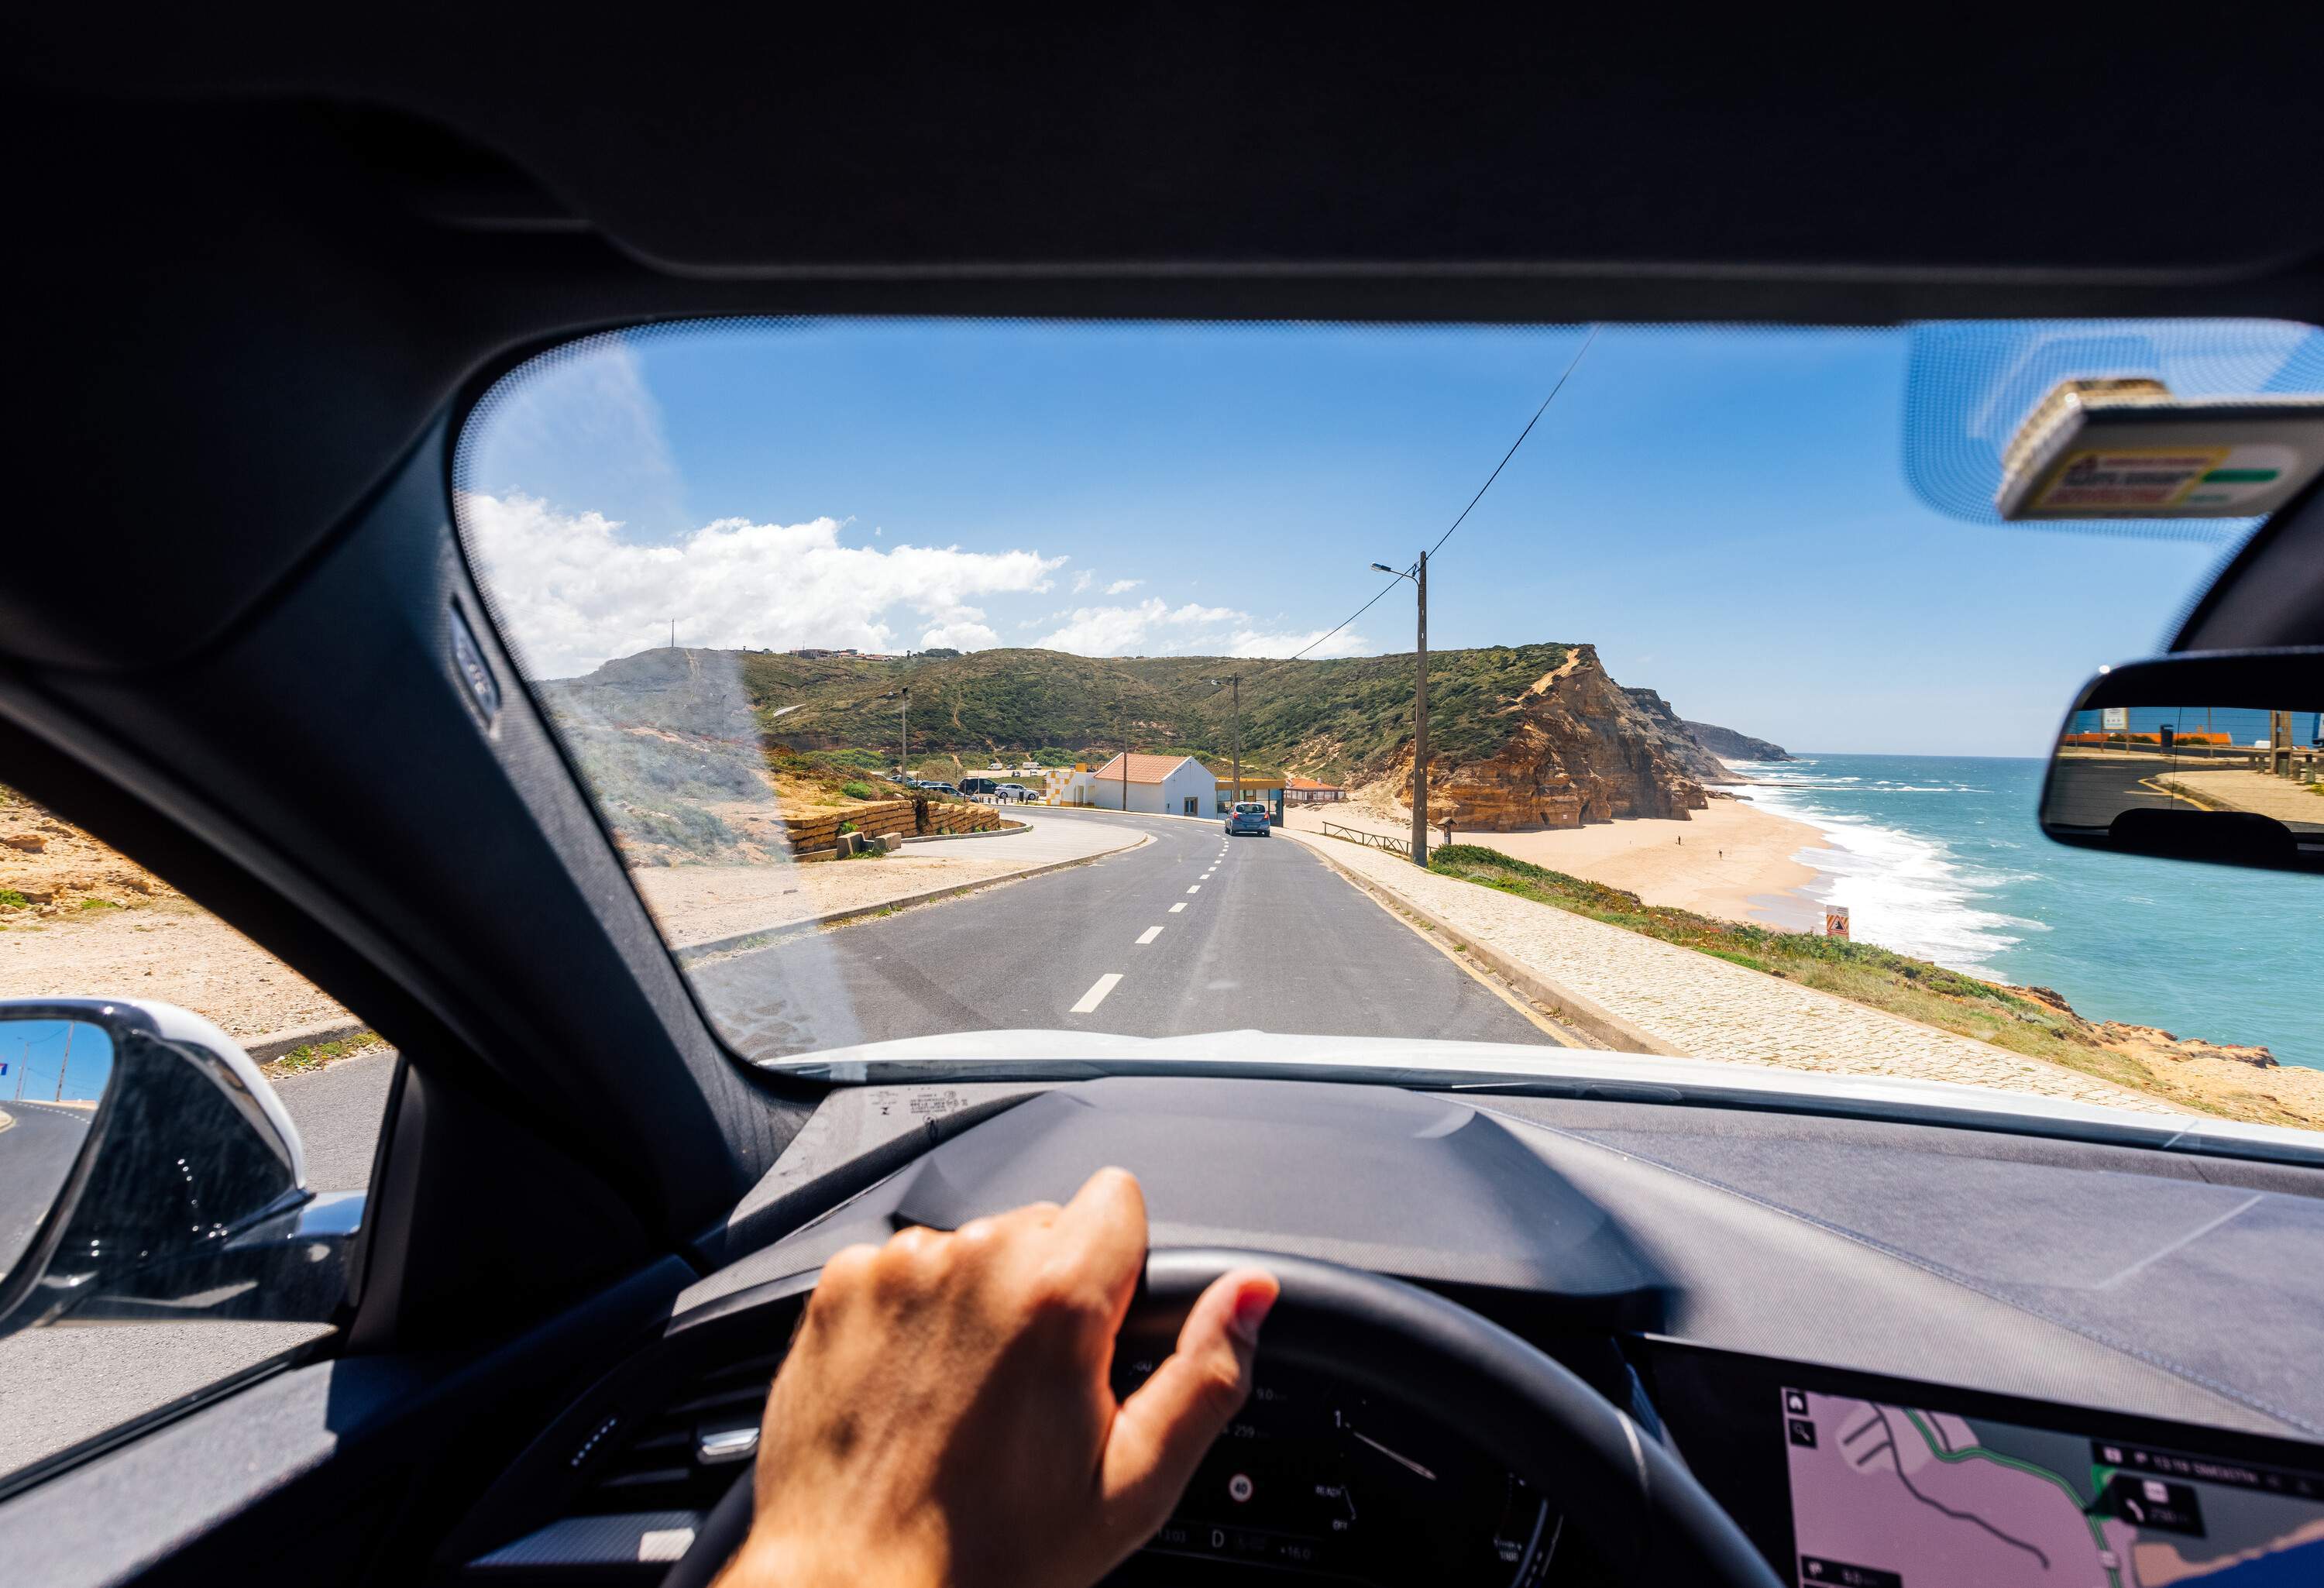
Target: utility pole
{"points": [[1237, 681], [65, 1060], [1419, 578], [1420, 730]]}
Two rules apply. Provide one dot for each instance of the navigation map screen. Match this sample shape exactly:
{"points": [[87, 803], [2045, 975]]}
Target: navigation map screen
{"points": [[1897, 1496]]}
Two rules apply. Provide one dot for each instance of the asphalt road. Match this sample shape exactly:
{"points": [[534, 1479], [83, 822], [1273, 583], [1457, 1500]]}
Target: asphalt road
{"points": [[1191, 932], [2091, 793], [36, 1154], [339, 1110]]}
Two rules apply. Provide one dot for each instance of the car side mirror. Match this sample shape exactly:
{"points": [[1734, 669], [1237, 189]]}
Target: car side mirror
{"points": [[2214, 756], [148, 1170]]}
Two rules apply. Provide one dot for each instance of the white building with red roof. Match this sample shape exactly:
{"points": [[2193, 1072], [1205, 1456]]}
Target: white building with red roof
{"points": [[1158, 785]]}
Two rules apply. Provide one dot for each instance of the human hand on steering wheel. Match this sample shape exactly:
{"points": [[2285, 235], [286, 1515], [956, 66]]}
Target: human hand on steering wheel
{"points": [[945, 1415]]}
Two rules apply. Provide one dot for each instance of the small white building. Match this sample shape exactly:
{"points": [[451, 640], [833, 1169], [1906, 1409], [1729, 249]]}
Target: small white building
{"points": [[1158, 785], [1065, 785]]}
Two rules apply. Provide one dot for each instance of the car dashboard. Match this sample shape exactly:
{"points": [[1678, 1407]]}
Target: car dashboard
{"points": [[1896, 1353]]}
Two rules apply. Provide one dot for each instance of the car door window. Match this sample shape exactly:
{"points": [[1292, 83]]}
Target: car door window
{"points": [[80, 920]]}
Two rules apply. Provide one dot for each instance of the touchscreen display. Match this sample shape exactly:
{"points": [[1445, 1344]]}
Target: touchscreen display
{"points": [[1887, 1496]]}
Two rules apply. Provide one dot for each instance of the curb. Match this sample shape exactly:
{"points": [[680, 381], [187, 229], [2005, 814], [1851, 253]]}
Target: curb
{"points": [[770, 937], [275, 1044], [1591, 1019], [981, 833]]}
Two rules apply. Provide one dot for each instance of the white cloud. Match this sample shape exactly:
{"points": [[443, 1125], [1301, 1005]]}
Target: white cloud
{"points": [[1121, 586], [1082, 581], [1107, 630], [574, 593], [1254, 643], [1153, 627], [963, 636]]}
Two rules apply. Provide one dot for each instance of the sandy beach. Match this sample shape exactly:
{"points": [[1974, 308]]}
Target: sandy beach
{"points": [[1733, 860]]}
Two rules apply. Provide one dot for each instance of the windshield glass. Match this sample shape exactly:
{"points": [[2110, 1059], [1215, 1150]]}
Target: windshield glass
{"points": [[927, 675]]}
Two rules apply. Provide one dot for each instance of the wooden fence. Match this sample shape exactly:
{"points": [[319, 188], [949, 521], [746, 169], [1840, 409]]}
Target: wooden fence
{"points": [[1370, 840]]}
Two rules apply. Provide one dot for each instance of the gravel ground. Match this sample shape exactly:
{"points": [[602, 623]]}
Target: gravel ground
{"points": [[170, 949], [1704, 1008]]}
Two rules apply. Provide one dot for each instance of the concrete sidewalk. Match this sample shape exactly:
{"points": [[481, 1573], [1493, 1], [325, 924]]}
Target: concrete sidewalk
{"points": [[700, 905], [1692, 1005]]}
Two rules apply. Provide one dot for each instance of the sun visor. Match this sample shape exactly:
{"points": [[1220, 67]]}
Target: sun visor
{"points": [[2186, 428]]}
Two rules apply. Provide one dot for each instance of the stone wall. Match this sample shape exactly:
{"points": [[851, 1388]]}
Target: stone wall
{"points": [[878, 817]]}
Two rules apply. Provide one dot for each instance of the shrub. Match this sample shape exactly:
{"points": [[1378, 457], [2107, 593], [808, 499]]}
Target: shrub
{"points": [[859, 790]]}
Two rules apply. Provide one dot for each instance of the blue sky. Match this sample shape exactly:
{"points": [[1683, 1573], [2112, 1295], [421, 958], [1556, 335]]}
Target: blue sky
{"points": [[1725, 513]]}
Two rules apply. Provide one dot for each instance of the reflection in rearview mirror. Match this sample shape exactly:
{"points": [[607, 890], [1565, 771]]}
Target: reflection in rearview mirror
{"points": [[52, 1075], [2228, 782]]}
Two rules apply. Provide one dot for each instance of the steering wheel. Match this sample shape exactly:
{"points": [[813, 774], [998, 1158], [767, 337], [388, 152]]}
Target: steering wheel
{"points": [[1645, 1513]]}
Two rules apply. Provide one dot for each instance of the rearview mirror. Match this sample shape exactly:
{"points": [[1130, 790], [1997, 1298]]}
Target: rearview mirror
{"points": [[2205, 756], [148, 1170]]}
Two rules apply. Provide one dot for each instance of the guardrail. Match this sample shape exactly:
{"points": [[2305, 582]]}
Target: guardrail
{"points": [[1370, 840]]}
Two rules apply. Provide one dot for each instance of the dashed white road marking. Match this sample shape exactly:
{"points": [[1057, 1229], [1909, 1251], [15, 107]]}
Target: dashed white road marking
{"points": [[1197, 888], [1096, 994], [1177, 907], [1149, 935]]}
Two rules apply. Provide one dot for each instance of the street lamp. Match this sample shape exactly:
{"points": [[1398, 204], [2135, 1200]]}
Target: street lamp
{"points": [[1418, 575], [1236, 679]]}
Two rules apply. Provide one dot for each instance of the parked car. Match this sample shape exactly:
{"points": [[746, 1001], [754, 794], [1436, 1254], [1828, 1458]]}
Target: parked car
{"points": [[1247, 816], [1015, 794], [931, 786], [978, 787]]}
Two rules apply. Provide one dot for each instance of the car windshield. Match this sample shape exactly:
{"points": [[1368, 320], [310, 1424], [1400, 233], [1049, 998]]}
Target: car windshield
{"points": [[1739, 693]]}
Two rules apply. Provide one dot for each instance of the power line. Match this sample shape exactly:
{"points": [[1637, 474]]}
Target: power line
{"points": [[1342, 623], [1571, 364]]}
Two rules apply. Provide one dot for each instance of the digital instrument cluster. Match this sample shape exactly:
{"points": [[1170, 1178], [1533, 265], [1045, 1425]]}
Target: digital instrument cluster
{"points": [[1315, 1478]]}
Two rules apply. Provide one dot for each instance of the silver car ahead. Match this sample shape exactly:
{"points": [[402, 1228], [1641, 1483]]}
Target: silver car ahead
{"points": [[1248, 815]]}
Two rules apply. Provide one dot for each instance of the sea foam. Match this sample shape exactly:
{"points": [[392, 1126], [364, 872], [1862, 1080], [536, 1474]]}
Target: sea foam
{"points": [[1908, 891]]}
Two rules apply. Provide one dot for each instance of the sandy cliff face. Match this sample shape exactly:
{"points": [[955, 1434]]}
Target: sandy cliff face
{"points": [[1581, 749]]}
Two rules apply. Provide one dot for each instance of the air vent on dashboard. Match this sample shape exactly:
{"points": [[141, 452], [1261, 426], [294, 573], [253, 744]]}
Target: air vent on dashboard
{"points": [[648, 1477], [683, 1456]]}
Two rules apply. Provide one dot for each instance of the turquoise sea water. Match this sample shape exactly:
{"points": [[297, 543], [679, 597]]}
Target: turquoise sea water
{"points": [[1939, 856]]}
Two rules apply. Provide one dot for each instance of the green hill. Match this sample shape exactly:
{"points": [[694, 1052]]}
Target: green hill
{"points": [[1343, 719]]}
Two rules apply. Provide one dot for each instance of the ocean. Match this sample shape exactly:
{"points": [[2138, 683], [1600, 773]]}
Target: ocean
{"points": [[1939, 857]]}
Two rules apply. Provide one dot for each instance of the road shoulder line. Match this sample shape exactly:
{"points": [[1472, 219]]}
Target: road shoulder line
{"points": [[1601, 1027]]}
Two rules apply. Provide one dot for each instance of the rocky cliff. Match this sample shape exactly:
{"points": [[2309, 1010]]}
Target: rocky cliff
{"points": [[1578, 748], [1682, 746], [1730, 745]]}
